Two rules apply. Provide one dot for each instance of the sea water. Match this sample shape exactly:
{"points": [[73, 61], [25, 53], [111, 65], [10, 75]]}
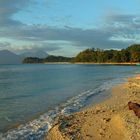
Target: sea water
{"points": [[33, 95]]}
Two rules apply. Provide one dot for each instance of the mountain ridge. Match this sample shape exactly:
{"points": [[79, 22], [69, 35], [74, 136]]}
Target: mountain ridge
{"points": [[8, 57]]}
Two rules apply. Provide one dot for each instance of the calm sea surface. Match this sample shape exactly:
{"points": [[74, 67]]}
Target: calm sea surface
{"points": [[31, 96]]}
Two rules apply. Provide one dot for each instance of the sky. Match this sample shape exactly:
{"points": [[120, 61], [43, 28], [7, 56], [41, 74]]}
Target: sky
{"points": [[66, 27]]}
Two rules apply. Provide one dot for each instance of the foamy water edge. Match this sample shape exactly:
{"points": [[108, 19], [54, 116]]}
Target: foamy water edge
{"points": [[36, 129]]}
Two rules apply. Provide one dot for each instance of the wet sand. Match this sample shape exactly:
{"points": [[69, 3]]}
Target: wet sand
{"points": [[108, 120]]}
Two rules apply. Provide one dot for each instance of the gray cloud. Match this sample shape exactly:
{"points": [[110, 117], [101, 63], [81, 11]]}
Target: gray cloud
{"points": [[4, 45], [80, 37], [9, 8], [46, 46], [125, 28], [120, 18]]}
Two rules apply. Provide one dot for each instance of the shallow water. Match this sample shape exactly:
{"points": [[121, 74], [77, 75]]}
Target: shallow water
{"points": [[33, 95]]}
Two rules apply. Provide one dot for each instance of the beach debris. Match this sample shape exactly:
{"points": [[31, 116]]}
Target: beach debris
{"points": [[106, 119], [97, 111], [101, 134], [68, 126], [135, 107], [113, 110], [88, 135]]}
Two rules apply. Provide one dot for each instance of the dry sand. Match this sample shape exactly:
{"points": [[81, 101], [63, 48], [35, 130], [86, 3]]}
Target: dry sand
{"points": [[109, 120]]}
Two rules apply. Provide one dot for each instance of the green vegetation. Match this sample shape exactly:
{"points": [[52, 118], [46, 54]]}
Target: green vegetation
{"points": [[50, 58], [32, 60], [130, 54]]}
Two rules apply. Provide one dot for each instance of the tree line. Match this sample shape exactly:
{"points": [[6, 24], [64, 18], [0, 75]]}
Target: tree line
{"points": [[50, 58], [130, 54]]}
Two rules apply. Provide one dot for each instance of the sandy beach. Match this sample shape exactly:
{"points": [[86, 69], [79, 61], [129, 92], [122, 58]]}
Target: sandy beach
{"points": [[90, 63], [108, 120]]}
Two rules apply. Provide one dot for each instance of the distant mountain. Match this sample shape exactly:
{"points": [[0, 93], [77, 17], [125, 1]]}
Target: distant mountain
{"points": [[7, 57], [38, 53]]}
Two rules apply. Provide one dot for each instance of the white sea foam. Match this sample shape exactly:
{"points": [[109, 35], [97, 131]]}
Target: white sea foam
{"points": [[36, 129]]}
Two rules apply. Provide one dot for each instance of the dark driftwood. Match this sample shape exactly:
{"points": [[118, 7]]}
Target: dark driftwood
{"points": [[135, 107]]}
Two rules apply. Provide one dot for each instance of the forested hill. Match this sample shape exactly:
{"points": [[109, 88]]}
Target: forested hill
{"points": [[130, 54], [48, 59]]}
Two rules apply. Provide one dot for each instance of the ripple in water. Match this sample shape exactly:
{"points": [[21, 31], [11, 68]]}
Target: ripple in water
{"points": [[36, 129]]}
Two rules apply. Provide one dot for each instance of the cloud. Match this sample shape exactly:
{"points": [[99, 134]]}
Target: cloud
{"points": [[83, 37], [99, 37], [8, 9], [125, 28], [45, 46], [4, 45], [117, 31], [120, 18]]}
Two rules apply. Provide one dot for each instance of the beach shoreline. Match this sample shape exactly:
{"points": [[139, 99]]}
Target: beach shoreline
{"points": [[109, 120], [92, 63]]}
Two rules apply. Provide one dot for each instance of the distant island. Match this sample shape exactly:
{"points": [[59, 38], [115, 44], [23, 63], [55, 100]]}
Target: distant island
{"points": [[48, 59], [129, 55]]}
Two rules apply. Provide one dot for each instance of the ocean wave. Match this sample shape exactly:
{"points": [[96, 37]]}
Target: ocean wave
{"points": [[36, 129]]}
